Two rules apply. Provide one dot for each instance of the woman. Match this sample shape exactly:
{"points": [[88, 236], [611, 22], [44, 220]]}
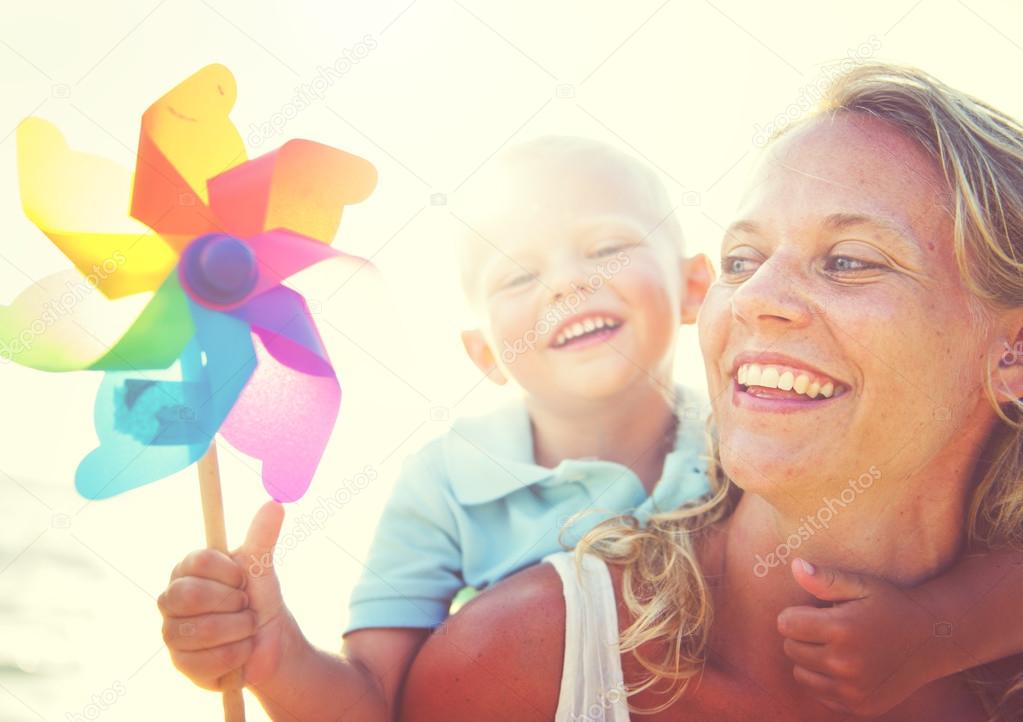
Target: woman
{"points": [[875, 254]]}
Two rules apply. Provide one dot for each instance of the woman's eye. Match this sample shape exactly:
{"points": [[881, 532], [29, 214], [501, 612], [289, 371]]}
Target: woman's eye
{"points": [[847, 264], [738, 265]]}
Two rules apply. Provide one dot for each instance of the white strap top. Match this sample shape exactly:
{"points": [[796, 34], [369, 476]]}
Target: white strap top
{"points": [[592, 686]]}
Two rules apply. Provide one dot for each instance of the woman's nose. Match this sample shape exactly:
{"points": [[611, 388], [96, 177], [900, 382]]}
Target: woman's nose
{"points": [[777, 293]]}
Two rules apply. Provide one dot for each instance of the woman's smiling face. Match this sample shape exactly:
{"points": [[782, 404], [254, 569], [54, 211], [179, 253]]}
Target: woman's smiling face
{"points": [[839, 288]]}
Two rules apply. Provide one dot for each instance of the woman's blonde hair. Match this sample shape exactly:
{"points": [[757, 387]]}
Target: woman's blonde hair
{"points": [[980, 151]]}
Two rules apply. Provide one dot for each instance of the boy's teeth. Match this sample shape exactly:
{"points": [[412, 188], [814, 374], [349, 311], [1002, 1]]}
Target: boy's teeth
{"points": [[785, 379], [588, 325]]}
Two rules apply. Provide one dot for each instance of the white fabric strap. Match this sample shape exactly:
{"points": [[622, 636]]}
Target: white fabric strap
{"points": [[592, 686]]}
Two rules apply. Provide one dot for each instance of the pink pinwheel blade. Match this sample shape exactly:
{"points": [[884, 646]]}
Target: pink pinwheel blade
{"points": [[284, 418]]}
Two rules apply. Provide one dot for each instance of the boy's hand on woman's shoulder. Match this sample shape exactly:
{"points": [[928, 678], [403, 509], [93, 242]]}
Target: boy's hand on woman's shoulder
{"points": [[869, 651]]}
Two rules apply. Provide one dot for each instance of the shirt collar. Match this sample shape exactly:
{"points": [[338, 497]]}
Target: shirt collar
{"points": [[491, 456]]}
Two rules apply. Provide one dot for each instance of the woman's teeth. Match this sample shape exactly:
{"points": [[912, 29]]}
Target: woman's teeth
{"points": [[581, 328], [786, 379]]}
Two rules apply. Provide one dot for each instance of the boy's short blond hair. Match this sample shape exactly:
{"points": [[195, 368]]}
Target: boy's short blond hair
{"points": [[555, 150]]}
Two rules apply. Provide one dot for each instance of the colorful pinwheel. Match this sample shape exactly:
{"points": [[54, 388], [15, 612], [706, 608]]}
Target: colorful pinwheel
{"points": [[212, 236]]}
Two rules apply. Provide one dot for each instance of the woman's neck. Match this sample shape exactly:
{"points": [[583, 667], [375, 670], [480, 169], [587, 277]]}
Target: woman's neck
{"points": [[901, 528], [635, 429]]}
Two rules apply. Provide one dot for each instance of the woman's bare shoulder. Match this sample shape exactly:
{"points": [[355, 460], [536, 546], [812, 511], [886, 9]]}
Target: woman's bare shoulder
{"points": [[499, 658]]}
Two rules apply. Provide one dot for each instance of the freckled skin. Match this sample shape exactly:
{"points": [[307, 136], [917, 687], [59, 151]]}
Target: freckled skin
{"points": [[902, 331]]}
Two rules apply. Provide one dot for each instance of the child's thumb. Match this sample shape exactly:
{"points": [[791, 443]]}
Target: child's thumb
{"points": [[828, 584], [258, 550]]}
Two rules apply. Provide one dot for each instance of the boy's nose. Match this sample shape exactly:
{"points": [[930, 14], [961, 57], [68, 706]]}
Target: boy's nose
{"points": [[575, 288]]}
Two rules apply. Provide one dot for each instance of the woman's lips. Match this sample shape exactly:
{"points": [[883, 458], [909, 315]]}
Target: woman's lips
{"points": [[777, 401]]}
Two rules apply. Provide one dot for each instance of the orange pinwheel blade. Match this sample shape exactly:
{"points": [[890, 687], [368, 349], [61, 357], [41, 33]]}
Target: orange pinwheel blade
{"points": [[186, 139], [302, 186], [81, 202]]}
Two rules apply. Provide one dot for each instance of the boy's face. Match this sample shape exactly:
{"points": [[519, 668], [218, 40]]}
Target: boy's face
{"points": [[580, 285]]}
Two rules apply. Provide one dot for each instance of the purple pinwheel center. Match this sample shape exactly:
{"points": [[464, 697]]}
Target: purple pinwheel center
{"points": [[220, 269]]}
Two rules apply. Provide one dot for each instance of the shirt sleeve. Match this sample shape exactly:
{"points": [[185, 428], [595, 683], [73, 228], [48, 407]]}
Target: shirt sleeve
{"points": [[414, 567]]}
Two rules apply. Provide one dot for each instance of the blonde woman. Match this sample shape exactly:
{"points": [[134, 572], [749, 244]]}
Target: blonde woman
{"points": [[877, 259]]}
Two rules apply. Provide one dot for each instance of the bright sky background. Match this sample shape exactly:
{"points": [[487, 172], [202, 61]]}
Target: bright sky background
{"points": [[445, 84]]}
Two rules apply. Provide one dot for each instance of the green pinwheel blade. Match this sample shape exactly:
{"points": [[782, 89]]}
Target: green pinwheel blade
{"points": [[157, 337]]}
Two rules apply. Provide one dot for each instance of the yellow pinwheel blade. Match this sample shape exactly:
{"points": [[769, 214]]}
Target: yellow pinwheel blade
{"points": [[81, 202], [186, 139]]}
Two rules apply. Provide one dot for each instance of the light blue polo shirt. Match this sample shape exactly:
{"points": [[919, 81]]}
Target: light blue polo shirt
{"points": [[472, 507]]}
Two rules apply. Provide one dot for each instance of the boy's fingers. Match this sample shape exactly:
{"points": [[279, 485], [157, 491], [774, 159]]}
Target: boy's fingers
{"points": [[813, 657], [806, 624], [210, 564], [207, 666], [208, 630], [824, 687], [255, 555], [192, 596], [264, 529], [828, 584]]}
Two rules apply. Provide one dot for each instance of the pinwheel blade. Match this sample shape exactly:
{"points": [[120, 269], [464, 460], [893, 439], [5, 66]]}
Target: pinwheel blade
{"points": [[80, 202], [150, 427], [157, 337], [284, 418], [282, 320], [302, 186], [186, 138], [61, 323]]}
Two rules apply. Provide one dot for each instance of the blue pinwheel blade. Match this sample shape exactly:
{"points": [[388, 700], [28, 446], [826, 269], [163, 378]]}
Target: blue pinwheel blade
{"points": [[150, 426]]}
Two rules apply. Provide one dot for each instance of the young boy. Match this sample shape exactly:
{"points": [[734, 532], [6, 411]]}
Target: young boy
{"points": [[572, 260]]}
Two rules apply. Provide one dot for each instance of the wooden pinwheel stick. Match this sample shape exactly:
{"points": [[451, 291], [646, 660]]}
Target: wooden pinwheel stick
{"points": [[216, 538]]}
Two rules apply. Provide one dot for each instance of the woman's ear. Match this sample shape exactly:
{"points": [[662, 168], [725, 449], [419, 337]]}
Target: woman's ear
{"points": [[1008, 373], [479, 351], [697, 276]]}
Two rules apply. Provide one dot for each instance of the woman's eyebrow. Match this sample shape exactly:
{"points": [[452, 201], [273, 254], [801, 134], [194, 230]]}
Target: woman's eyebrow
{"points": [[842, 221]]}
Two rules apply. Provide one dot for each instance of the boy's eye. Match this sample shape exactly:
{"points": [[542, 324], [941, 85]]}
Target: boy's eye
{"points": [[609, 249], [519, 279]]}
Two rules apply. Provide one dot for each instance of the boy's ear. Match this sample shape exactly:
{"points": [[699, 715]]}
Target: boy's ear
{"points": [[479, 351], [697, 276]]}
